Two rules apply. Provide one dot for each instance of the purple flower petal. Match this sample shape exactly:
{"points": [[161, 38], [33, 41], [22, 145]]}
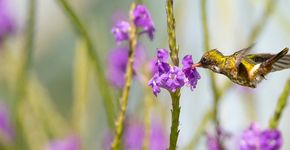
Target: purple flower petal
{"points": [[143, 20], [68, 143], [191, 74], [133, 135], [212, 142], [7, 24], [256, 139], [271, 139], [250, 139], [117, 63], [158, 138], [162, 55], [173, 80], [121, 31], [6, 131], [155, 84]]}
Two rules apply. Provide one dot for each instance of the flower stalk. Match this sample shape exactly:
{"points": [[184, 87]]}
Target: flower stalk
{"points": [[258, 28], [214, 87], [281, 104], [128, 80], [175, 96], [216, 93], [21, 89], [171, 33], [101, 79]]}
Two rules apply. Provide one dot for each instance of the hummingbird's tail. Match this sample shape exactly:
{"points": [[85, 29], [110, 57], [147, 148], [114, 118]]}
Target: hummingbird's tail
{"points": [[279, 61]]}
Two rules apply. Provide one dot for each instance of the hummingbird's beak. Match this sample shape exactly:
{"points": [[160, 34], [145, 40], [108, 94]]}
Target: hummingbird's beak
{"points": [[196, 65]]}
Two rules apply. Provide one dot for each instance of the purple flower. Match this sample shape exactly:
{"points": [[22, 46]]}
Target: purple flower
{"points": [[271, 139], [172, 77], [212, 142], [250, 139], [254, 138], [158, 138], [134, 134], [6, 21], [155, 83], [68, 143], [143, 20], [6, 131], [117, 63], [190, 73], [162, 57], [216, 141], [121, 31]]}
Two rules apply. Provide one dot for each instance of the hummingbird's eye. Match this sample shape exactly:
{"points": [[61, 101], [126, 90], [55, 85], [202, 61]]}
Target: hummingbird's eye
{"points": [[204, 61]]}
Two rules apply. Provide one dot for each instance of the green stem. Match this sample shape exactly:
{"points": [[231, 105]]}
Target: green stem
{"points": [[258, 28], [216, 93], [175, 112], [171, 33], [282, 102], [148, 104], [214, 87], [175, 96], [128, 79], [24, 71], [101, 79]]}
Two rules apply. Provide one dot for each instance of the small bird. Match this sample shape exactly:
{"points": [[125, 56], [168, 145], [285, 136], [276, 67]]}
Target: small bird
{"points": [[242, 68]]}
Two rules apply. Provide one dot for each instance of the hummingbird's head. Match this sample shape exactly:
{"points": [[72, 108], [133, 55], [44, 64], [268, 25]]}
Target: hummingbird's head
{"points": [[211, 60]]}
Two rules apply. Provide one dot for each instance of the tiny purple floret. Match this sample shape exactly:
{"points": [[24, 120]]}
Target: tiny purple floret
{"points": [[190, 73], [254, 138], [68, 143], [143, 20], [121, 31]]}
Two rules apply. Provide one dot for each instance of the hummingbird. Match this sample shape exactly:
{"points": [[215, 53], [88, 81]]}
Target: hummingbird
{"points": [[242, 68]]}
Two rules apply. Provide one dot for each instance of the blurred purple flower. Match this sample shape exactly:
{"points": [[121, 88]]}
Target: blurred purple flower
{"points": [[158, 138], [256, 139], [216, 141], [212, 142], [134, 134], [7, 133], [6, 21], [68, 143], [152, 67], [117, 63], [250, 138], [190, 73], [121, 31], [143, 20], [271, 139], [172, 77]]}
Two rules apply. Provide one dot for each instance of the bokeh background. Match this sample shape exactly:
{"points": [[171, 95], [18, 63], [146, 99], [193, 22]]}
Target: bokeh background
{"points": [[56, 55]]}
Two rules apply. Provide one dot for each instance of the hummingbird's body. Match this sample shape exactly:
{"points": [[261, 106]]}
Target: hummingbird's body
{"points": [[245, 70]]}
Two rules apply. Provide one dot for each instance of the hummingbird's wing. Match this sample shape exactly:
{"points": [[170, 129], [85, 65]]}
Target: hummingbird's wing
{"points": [[240, 54], [282, 63]]}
